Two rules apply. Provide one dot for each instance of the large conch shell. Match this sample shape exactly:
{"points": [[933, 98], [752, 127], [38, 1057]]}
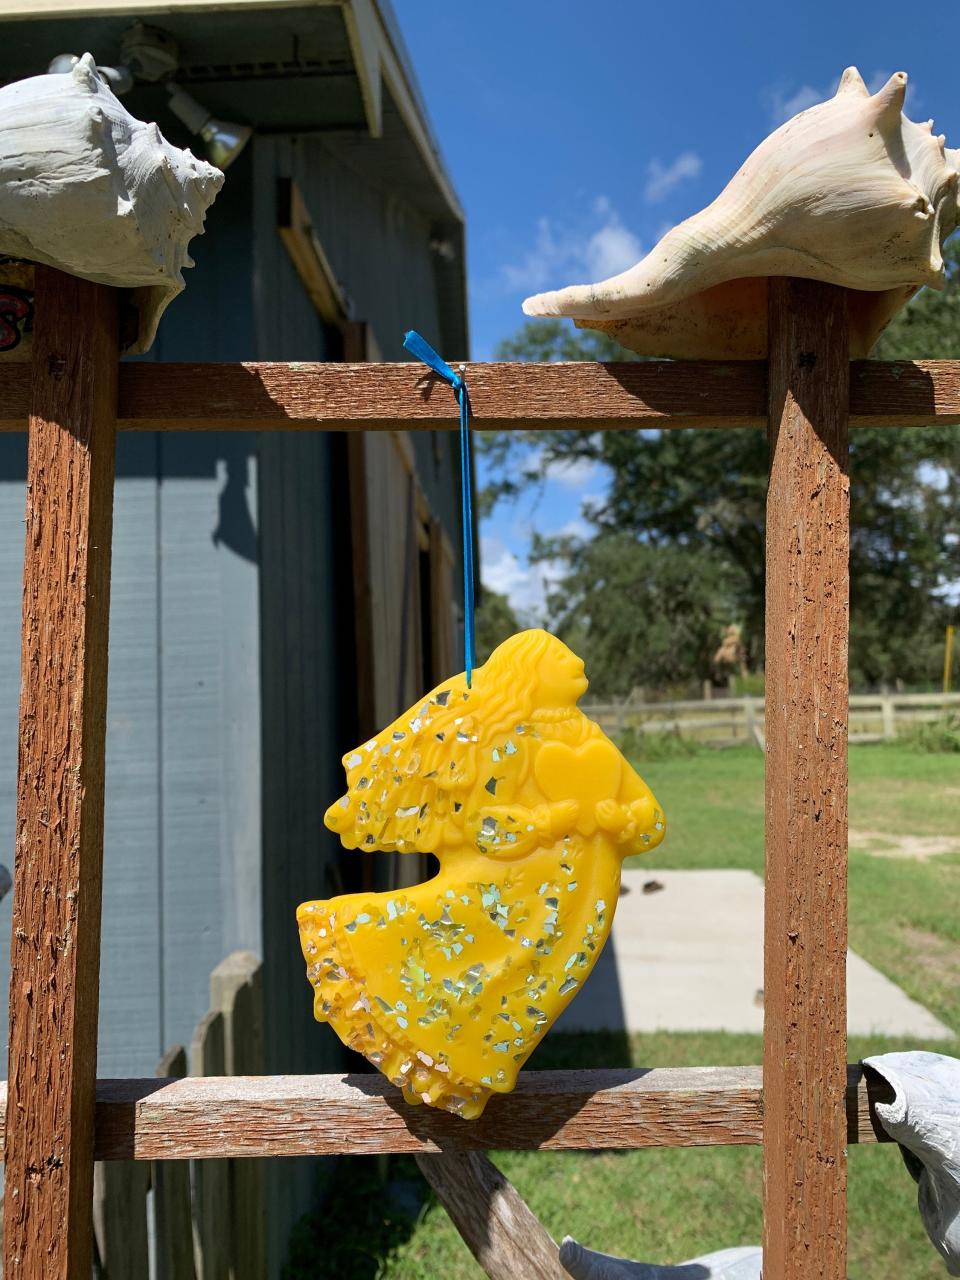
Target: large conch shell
{"points": [[849, 191], [86, 187]]}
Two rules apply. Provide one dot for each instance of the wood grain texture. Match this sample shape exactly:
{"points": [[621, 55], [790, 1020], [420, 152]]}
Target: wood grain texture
{"points": [[495, 1222], [805, 929], [211, 1178], [236, 989], [120, 1218], [301, 396], [172, 1205], [215, 1117], [55, 940]]}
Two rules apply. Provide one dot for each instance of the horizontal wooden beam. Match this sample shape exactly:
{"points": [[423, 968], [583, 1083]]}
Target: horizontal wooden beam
{"points": [[218, 1116], [539, 397]]}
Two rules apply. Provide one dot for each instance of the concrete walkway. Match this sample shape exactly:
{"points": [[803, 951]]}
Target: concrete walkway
{"points": [[690, 958]]}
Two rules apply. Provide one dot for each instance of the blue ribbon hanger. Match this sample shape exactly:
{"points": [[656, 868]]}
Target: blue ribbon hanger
{"points": [[419, 347]]}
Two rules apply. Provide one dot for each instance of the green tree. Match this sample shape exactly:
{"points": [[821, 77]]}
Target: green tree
{"points": [[701, 494], [642, 616], [494, 621]]}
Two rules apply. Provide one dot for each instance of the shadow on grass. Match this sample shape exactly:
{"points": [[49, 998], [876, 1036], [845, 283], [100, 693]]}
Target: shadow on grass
{"points": [[375, 1203]]}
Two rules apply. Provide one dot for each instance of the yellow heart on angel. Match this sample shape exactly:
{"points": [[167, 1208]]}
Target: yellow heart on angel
{"points": [[586, 774], [448, 986]]}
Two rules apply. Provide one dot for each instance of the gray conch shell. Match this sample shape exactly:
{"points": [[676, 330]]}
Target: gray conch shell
{"points": [[849, 191], [86, 187]]}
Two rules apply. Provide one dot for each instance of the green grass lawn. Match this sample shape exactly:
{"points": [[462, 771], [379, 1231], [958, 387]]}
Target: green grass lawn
{"points": [[666, 1205]]}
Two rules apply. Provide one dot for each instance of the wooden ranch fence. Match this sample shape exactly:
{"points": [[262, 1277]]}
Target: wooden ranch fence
{"points": [[208, 1219], [806, 1107], [725, 722]]}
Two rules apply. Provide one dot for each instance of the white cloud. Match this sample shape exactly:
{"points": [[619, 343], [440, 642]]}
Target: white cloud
{"points": [[573, 473], [581, 250], [538, 264], [525, 585], [661, 179], [575, 528], [784, 106], [611, 250]]}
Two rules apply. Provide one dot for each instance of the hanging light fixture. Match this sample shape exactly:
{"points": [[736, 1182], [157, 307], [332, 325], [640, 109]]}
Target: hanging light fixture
{"points": [[151, 55], [224, 139]]}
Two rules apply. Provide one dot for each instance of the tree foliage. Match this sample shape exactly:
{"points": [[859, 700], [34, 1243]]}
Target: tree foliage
{"points": [[495, 620], [676, 551]]}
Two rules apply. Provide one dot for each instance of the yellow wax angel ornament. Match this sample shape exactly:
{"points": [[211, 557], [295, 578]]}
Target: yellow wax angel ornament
{"points": [[448, 986]]}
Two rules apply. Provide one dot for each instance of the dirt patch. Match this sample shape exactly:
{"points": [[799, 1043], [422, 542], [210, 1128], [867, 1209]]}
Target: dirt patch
{"points": [[884, 844], [939, 957]]}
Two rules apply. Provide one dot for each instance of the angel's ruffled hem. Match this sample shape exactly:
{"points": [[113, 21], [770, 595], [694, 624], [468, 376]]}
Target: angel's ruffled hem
{"points": [[340, 998]]}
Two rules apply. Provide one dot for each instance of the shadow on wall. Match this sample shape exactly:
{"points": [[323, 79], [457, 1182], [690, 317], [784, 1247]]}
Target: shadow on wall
{"points": [[235, 528]]}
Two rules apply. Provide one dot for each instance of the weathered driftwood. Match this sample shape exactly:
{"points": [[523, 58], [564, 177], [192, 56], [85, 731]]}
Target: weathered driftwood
{"points": [[590, 397], [86, 187], [849, 192]]}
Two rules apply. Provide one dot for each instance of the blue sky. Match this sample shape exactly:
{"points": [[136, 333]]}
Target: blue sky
{"points": [[576, 133]]}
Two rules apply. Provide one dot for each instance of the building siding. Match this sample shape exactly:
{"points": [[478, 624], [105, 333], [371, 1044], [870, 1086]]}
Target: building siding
{"points": [[231, 682]]}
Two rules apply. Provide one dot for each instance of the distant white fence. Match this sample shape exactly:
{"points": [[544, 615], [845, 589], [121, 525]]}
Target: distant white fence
{"points": [[724, 722]]}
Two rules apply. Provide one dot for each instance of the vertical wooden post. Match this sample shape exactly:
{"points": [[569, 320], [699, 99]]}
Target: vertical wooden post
{"points": [[55, 944], [807, 625]]}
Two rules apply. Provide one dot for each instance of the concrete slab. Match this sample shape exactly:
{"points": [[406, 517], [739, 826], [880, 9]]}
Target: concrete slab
{"points": [[690, 958]]}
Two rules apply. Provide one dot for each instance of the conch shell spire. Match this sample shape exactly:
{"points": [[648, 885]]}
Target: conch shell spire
{"points": [[849, 191]]}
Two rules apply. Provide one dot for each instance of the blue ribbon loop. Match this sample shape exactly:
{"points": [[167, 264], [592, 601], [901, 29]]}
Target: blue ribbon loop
{"points": [[422, 350]]}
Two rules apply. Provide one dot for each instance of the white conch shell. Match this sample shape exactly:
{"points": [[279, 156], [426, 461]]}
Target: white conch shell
{"points": [[850, 192], [728, 1264], [86, 187]]}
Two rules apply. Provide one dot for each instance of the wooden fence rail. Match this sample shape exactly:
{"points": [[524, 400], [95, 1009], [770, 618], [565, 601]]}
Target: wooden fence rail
{"points": [[725, 722], [303, 396], [221, 1117], [208, 1218]]}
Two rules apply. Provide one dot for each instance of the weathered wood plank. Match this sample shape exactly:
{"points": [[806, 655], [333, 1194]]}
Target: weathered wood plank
{"points": [[55, 938], [494, 1220], [236, 990], [120, 1218], [904, 393], [805, 928], [382, 397], [212, 1224], [199, 1118], [537, 397], [172, 1206]]}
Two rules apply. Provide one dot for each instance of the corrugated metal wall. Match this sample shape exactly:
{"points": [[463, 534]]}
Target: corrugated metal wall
{"points": [[379, 249]]}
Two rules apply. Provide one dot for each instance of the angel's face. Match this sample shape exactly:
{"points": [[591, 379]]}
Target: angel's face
{"points": [[560, 677]]}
